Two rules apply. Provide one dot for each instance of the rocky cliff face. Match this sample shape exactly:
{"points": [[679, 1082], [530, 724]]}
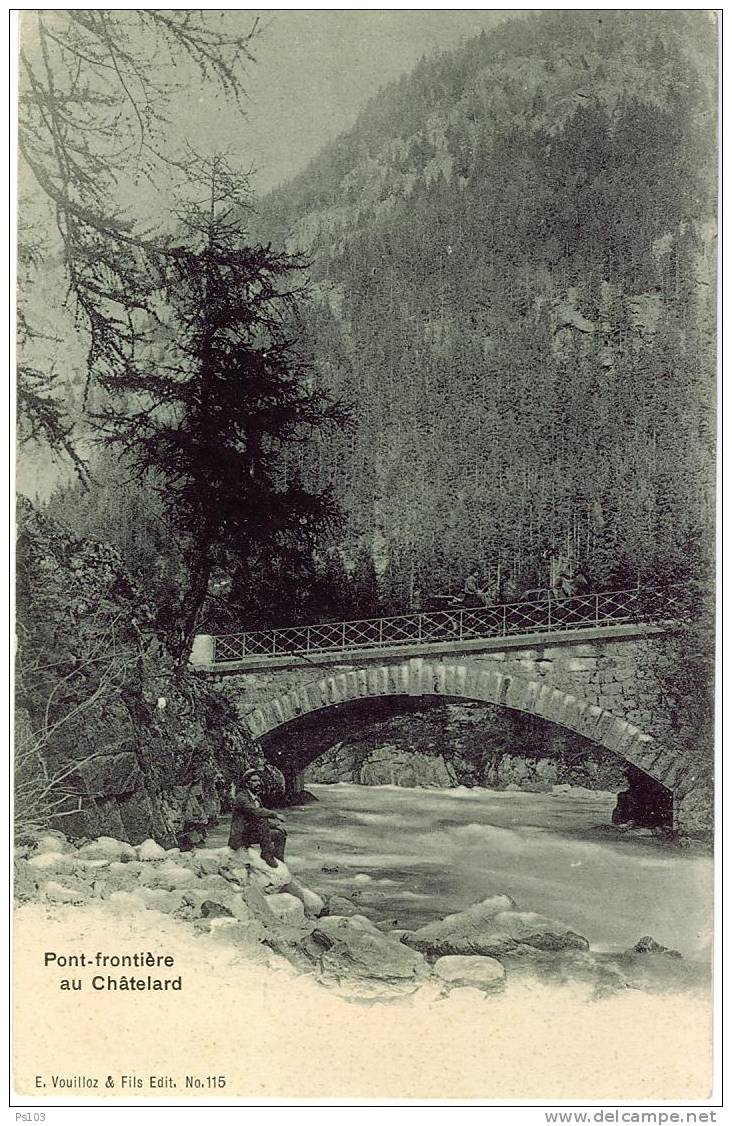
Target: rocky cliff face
{"points": [[466, 745], [111, 738]]}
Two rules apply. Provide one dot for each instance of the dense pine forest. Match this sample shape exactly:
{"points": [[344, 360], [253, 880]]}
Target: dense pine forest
{"points": [[513, 262], [510, 266]]}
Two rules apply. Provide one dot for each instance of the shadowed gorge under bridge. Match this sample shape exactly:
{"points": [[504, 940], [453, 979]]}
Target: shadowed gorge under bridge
{"points": [[593, 664]]}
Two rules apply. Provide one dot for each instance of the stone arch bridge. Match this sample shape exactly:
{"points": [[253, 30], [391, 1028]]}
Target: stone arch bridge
{"points": [[601, 680]]}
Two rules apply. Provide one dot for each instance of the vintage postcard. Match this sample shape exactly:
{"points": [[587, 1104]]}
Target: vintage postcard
{"points": [[365, 584]]}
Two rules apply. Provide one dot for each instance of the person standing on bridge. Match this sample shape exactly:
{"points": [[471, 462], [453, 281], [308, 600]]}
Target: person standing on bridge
{"points": [[252, 824], [580, 582], [563, 587], [507, 589], [473, 596]]}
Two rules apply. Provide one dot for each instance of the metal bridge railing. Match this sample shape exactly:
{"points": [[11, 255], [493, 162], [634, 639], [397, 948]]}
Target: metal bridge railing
{"points": [[545, 615]]}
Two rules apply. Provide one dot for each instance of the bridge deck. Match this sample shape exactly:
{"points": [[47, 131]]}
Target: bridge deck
{"points": [[474, 645], [518, 624]]}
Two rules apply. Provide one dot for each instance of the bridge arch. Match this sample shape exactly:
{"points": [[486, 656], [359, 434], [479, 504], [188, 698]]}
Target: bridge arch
{"points": [[478, 681]]}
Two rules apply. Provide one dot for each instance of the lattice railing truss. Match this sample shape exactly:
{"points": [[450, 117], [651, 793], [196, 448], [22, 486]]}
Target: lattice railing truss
{"points": [[543, 615]]}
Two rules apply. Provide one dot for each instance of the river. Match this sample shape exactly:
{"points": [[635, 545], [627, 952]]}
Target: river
{"points": [[414, 855]]}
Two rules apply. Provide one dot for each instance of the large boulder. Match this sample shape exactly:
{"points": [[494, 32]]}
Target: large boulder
{"points": [[127, 869], [535, 930], [334, 924], [55, 892], [459, 933], [245, 867], [493, 928], [313, 903], [474, 969], [52, 862], [51, 842], [287, 908], [168, 876], [339, 905], [107, 848], [159, 899], [353, 948], [150, 851]]}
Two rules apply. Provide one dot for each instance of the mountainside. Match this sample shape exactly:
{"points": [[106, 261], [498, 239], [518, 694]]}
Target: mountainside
{"points": [[513, 261]]}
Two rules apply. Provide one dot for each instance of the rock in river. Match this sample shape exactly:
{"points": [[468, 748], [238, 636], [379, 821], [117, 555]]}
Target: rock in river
{"points": [[648, 945], [313, 903], [493, 928], [339, 905]]}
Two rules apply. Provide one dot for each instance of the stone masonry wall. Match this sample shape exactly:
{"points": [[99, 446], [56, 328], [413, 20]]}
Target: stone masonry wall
{"points": [[624, 676]]}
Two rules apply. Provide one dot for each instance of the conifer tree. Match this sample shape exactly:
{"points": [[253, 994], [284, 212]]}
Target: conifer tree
{"points": [[212, 414]]}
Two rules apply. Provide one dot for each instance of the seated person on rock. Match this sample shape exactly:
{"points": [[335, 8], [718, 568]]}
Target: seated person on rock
{"points": [[252, 824]]}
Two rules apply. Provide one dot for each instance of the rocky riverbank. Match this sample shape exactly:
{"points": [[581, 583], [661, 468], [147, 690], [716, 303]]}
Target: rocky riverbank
{"points": [[269, 917], [113, 737]]}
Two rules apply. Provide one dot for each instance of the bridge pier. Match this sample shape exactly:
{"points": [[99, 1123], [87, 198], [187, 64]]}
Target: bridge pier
{"points": [[646, 802], [294, 782]]}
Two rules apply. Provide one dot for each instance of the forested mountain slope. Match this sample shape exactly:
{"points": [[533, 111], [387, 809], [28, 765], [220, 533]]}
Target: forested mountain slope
{"points": [[513, 256]]}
